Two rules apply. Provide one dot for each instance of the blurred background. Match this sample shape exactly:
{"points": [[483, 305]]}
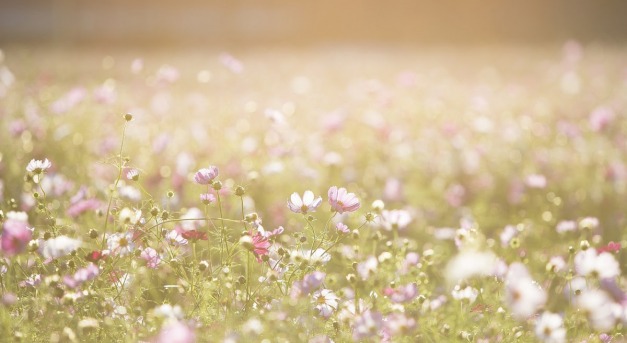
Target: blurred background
{"points": [[289, 22]]}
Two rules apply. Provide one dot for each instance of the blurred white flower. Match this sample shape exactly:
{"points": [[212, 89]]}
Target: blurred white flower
{"points": [[590, 263], [522, 294], [599, 307], [58, 247], [550, 328], [395, 219], [470, 263], [467, 293], [367, 267]]}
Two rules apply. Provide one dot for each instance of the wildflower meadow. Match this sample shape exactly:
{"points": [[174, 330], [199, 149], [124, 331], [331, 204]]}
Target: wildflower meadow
{"points": [[314, 195]]}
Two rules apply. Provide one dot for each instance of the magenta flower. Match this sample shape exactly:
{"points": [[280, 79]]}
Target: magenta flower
{"points": [[205, 176], [15, 237], [308, 203], [341, 201], [260, 245]]}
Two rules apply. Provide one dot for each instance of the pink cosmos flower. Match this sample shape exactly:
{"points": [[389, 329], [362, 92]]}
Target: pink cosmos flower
{"points": [[260, 245], [205, 176], [82, 275], [341, 201], [402, 294], [207, 198], [305, 205], [342, 228], [175, 332], [82, 206], [15, 237], [152, 258]]}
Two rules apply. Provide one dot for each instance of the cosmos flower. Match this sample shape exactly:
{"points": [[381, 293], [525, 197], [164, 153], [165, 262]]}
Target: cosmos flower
{"points": [[550, 328], [58, 247], [151, 256], [82, 275], [205, 176], [83, 206], [342, 228], [129, 216], [133, 174], [402, 294], [467, 293], [307, 204], [175, 332], [15, 237], [367, 268], [207, 198], [602, 265], [121, 243], [325, 301], [96, 255], [194, 235], [175, 238], [395, 219], [599, 307], [38, 166], [470, 263], [368, 324], [341, 201], [309, 283], [523, 295]]}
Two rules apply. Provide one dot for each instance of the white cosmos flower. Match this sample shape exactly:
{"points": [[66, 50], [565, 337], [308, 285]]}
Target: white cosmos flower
{"points": [[550, 328], [58, 247], [600, 308], [325, 301], [311, 256], [121, 243], [308, 203], [470, 263], [129, 216], [367, 267], [523, 295], [602, 265], [395, 219], [38, 166]]}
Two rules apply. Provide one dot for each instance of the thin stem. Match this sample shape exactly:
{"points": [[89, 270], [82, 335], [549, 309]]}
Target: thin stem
{"points": [[115, 186]]}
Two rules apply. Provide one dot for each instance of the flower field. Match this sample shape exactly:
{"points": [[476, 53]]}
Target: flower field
{"points": [[332, 194]]}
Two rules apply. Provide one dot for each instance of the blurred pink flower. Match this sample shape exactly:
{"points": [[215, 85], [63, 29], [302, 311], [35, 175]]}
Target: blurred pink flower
{"points": [[175, 332], [82, 206], [600, 118], [205, 176], [151, 256], [341, 201], [402, 294], [82, 275], [15, 237], [342, 228]]}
